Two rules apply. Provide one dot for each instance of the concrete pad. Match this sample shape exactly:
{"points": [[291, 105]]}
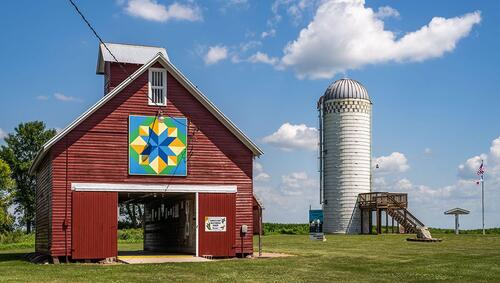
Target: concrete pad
{"points": [[140, 259]]}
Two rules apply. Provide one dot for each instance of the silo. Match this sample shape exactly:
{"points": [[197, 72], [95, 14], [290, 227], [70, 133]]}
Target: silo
{"points": [[345, 154]]}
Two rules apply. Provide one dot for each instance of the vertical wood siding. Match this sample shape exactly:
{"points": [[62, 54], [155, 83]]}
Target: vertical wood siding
{"points": [[97, 151], [94, 225], [217, 244], [43, 206]]}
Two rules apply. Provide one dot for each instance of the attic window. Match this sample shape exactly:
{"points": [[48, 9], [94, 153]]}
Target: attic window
{"points": [[157, 94]]}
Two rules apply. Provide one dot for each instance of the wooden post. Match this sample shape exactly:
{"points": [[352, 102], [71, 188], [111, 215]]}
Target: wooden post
{"points": [[362, 216], [370, 221], [386, 222], [379, 221], [392, 226], [260, 231]]}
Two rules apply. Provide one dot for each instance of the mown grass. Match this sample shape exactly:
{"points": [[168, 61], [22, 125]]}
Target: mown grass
{"points": [[383, 258]]}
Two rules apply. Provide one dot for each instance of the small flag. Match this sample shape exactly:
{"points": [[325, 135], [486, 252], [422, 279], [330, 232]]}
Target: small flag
{"points": [[480, 171]]}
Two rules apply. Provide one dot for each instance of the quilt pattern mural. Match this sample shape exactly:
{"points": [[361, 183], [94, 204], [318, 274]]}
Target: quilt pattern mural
{"points": [[157, 146]]}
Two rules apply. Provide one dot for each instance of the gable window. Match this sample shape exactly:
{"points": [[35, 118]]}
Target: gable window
{"points": [[157, 85]]}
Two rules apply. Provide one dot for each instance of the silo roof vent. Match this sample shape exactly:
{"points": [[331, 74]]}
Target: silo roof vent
{"points": [[345, 89]]}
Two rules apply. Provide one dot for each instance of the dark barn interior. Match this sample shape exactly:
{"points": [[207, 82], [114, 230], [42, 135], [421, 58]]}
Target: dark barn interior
{"points": [[169, 221]]}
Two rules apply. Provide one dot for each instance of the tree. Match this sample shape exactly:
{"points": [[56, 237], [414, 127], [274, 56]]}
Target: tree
{"points": [[6, 184], [131, 214], [20, 151]]}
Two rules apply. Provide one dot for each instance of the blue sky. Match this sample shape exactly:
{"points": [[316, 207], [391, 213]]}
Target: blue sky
{"points": [[430, 70]]}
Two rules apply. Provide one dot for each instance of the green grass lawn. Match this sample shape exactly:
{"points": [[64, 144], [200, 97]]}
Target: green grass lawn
{"points": [[340, 258]]}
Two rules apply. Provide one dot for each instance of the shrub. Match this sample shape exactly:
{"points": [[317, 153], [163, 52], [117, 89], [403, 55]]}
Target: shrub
{"points": [[134, 235]]}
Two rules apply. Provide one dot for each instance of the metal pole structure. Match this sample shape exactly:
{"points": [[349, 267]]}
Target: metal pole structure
{"points": [[482, 199]]}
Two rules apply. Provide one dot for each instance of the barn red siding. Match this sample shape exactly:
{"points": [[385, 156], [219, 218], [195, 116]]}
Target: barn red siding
{"points": [[217, 244], [43, 203], [97, 151], [115, 73], [94, 225]]}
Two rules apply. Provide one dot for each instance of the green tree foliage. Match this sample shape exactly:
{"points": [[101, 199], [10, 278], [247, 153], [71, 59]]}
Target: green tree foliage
{"points": [[6, 184], [20, 151]]}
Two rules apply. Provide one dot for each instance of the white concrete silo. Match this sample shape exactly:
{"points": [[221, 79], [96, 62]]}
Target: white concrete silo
{"points": [[345, 154]]}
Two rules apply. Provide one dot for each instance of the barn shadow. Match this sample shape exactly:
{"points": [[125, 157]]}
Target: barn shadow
{"points": [[4, 257]]}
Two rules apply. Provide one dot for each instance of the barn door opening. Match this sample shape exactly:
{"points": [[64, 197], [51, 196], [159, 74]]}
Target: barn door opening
{"points": [[167, 221]]}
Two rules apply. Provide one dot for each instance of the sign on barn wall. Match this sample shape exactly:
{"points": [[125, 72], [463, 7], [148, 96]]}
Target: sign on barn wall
{"points": [[215, 224], [157, 146]]}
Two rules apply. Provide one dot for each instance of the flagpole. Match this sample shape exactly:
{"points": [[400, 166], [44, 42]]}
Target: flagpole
{"points": [[482, 199]]}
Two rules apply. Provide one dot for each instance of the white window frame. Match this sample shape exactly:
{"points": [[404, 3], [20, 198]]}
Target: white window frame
{"points": [[150, 87]]}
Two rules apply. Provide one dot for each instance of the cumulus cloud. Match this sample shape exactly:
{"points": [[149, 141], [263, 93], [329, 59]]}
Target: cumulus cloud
{"points": [[403, 184], [345, 34], [495, 148], [153, 11], [215, 54], [394, 163], [269, 33], [429, 202], [468, 169], [259, 174], [386, 12], [260, 57], [289, 137], [288, 201], [66, 98]]}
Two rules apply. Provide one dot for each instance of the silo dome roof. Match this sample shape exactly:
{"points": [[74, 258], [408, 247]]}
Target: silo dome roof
{"points": [[344, 89]]}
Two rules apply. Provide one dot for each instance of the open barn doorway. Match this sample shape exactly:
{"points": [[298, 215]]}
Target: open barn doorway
{"points": [[167, 222]]}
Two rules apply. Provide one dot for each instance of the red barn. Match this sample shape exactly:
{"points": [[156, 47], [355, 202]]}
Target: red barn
{"points": [[154, 139]]}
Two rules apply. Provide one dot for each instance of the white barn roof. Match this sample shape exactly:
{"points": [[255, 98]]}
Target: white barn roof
{"points": [[126, 53]]}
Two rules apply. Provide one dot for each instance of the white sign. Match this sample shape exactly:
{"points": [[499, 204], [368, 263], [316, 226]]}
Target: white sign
{"points": [[215, 224]]}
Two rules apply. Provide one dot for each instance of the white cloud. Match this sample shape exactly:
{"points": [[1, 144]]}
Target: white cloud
{"points": [[215, 54], [245, 46], [66, 98], [386, 12], [269, 33], [295, 9], [495, 148], [260, 57], [228, 4], [468, 169], [428, 202], [289, 137], [396, 162], [42, 97], [259, 174], [289, 201], [344, 34], [153, 11], [428, 151], [403, 185], [3, 134]]}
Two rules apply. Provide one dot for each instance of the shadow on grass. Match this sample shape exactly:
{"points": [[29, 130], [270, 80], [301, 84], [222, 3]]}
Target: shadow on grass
{"points": [[11, 256]]}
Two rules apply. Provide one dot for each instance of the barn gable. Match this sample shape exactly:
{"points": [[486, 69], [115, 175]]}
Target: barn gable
{"points": [[188, 85]]}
